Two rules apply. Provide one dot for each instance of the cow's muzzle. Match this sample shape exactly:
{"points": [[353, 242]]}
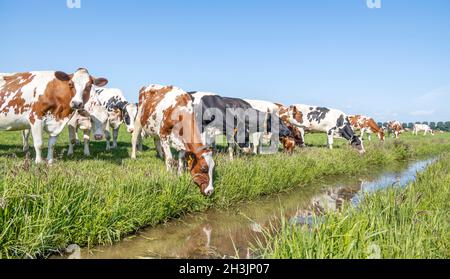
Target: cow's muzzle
{"points": [[98, 137], [76, 105]]}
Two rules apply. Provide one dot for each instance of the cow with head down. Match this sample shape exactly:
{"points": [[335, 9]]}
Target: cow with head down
{"points": [[290, 116], [166, 114], [395, 128], [366, 124], [422, 128], [43, 101], [331, 121]]}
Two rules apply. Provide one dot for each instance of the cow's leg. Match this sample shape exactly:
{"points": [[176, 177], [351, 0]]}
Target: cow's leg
{"points": [[72, 140], [302, 135], [167, 154], [181, 160], [51, 148], [140, 143], [331, 138], [77, 139], [257, 138], [25, 138], [158, 147], [87, 139], [37, 130], [115, 137], [108, 139], [369, 136], [231, 147], [135, 138], [362, 133]]}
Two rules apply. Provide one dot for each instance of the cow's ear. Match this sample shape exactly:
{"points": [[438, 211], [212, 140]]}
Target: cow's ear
{"points": [[191, 160], [100, 82], [62, 76]]}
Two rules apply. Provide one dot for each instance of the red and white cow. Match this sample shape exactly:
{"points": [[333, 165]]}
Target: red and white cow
{"points": [[366, 124], [166, 113], [43, 101], [93, 118], [396, 128], [422, 128]]}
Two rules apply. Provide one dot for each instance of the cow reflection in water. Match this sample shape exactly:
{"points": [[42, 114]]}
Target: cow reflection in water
{"points": [[331, 200]]}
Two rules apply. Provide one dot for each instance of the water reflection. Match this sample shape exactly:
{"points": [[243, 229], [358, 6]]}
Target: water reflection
{"points": [[228, 234]]}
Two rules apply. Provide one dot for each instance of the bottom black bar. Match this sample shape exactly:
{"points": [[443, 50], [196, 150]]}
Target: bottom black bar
{"points": [[220, 268]]}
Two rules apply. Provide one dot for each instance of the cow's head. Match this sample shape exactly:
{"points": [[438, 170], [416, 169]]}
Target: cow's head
{"points": [[201, 165], [81, 84], [288, 144], [355, 141], [99, 118], [129, 116], [296, 116]]}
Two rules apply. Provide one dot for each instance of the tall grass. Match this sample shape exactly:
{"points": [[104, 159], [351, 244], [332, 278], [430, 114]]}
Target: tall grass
{"points": [[101, 199], [396, 223]]}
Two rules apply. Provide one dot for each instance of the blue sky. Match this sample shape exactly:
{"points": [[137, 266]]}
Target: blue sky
{"points": [[389, 63]]}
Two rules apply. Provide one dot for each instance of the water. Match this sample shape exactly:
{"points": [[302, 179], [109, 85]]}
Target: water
{"points": [[223, 234]]}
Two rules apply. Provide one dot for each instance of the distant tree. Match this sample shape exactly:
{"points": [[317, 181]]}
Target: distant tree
{"points": [[447, 126], [380, 124], [440, 126], [433, 125], [410, 125], [385, 124], [405, 125], [425, 122]]}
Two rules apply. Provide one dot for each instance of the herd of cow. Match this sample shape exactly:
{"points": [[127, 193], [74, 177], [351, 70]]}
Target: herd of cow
{"points": [[183, 124]]}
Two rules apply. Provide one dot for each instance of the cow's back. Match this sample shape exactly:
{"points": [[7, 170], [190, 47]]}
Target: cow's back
{"points": [[19, 93], [321, 119]]}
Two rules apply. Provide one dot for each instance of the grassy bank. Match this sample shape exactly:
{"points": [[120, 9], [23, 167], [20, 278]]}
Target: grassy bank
{"points": [[101, 199], [394, 223]]}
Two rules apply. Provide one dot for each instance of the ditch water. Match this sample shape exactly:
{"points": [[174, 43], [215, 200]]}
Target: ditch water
{"points": [[219, 234]]}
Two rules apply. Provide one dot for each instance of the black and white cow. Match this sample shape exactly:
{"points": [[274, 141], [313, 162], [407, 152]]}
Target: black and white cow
{"points": [[238, 121], [331, 121], [120, 111]]}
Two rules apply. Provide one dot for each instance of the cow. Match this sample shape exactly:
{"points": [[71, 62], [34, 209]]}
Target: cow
{"points": [[43, 101], [331, 121], [120, 111], [93, 118], [366, 124], [290, 116], [239, 122], [166, 113], [395, 127], [422, 127]]}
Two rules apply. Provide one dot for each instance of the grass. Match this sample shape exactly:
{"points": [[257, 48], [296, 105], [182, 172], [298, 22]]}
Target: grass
{"points": [[101, 199], [398, 223]]}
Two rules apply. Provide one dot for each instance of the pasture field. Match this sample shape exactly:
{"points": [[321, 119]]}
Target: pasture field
{"points": [[101, 199], [398, 223]]}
